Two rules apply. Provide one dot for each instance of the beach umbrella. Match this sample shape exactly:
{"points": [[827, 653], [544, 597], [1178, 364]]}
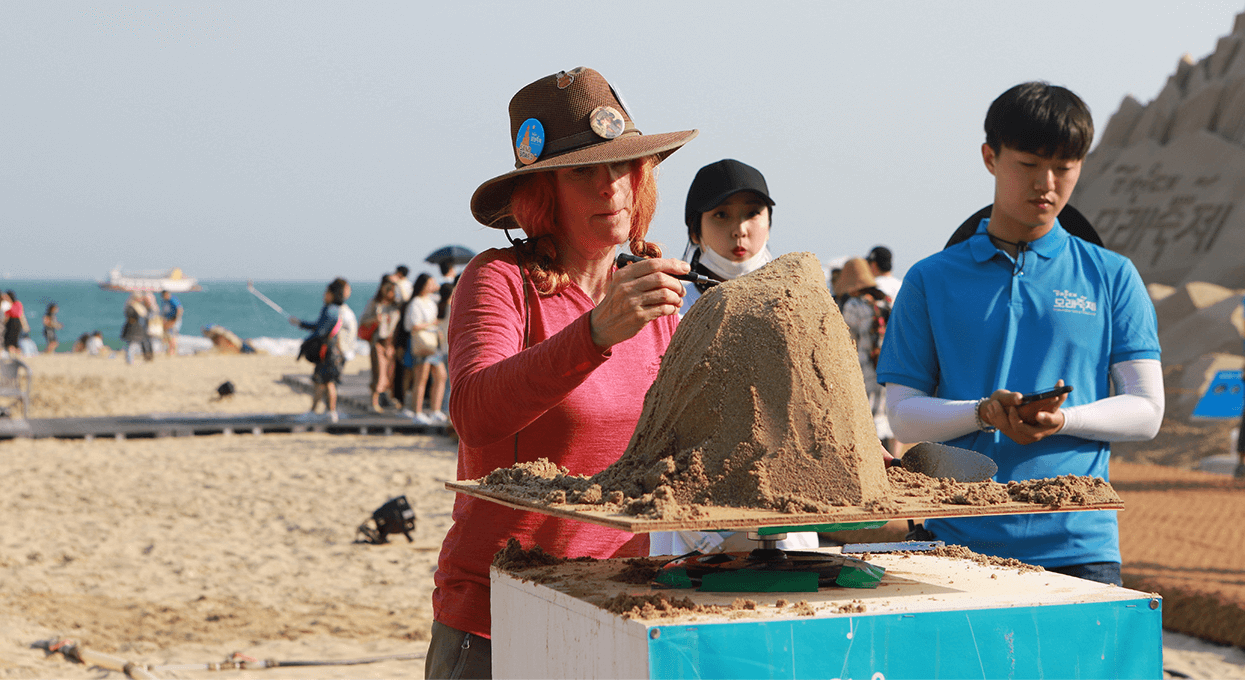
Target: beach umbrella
{"points": [[451, 254]]}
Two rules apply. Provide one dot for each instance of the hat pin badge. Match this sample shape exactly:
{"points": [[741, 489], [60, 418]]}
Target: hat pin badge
{"points": [[529, 141], [607, 122], [565, 78]]}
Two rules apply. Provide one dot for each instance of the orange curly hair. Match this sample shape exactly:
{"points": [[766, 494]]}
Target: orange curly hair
{"points": [[533, 206]]}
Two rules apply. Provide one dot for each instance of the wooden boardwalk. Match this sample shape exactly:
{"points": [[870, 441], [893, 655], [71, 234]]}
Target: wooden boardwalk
{"points": [[200, 424], [353, 402]]}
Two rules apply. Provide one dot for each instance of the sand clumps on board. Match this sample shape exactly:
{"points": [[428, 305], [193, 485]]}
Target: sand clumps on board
{"points": [[759, 403], [1052, 492], [648, 606]]}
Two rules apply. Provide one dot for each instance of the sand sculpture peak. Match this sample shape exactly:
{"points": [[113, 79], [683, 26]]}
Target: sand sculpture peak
{"points": [[1163, 185], [759, 402]]}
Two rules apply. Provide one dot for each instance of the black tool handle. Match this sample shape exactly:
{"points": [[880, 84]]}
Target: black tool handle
{"points": [[625, 259]]}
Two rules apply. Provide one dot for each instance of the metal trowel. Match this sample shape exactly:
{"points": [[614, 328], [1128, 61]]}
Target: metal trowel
{"points": [[942, 461]]}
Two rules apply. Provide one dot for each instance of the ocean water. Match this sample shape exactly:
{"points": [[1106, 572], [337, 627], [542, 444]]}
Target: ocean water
{"points": [[85, 308]]}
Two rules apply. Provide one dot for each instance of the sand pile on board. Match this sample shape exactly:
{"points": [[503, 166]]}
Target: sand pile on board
{"points": [[759, 403]]}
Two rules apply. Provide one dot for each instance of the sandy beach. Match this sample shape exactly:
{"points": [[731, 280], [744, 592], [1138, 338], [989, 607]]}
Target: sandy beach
{"points": [[183, 551]]}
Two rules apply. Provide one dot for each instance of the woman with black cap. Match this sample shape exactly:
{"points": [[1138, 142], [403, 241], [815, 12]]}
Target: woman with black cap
{"points": [[728, 216], [551, 348], [728, 220]]}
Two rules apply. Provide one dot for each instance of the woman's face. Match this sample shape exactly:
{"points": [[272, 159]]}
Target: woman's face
{"points": [[737, 228], [594, 205]]}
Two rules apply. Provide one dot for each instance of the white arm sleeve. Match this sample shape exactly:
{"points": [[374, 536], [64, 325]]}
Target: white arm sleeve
{"points": [[917, 417], [1133, 414]]}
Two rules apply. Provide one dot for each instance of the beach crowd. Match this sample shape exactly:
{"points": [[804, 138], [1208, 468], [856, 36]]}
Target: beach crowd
{"points": [[149, 323], [405, 324]]}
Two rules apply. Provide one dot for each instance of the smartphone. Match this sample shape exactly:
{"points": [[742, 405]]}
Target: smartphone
{"points": [[1045, 394]]}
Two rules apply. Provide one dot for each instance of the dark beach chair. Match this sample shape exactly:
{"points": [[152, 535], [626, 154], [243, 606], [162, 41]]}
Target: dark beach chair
{"points": [[15, 384]]}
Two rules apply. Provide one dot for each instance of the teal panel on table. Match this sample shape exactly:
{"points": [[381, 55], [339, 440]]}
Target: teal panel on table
{"points": [[1093, 640]]}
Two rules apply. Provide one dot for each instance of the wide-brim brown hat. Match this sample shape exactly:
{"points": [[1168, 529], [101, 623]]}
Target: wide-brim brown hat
{"points": [[564, 120], [855, 276]]}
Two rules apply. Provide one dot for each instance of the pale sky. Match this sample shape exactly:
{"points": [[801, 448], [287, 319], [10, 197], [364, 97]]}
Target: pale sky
{"points": [[307, 140]]}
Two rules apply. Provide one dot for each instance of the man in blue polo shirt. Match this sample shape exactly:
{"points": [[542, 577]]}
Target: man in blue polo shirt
{"points": [[1019, 307]]}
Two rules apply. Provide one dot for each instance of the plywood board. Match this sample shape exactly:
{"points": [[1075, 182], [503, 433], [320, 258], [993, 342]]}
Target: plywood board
{"points": [[749, 518]]}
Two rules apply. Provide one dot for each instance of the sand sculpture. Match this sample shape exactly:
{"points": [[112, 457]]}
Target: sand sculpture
{"points": [[1163, 184], [759, 402], [1163, 187]]}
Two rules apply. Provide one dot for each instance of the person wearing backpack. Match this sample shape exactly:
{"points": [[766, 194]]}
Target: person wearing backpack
{"points": [[321, 347], [866, 309]]}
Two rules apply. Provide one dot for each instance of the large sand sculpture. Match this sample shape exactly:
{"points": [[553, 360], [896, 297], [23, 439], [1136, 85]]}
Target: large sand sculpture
{"points": [[1164, 184], [1163, 187], [759, 402]]}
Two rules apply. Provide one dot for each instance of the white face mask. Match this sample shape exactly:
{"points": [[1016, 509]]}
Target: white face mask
{"points": [[732, 270]]}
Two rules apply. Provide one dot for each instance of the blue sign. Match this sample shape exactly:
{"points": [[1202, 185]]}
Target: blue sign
{"points": [[1224, 397]]}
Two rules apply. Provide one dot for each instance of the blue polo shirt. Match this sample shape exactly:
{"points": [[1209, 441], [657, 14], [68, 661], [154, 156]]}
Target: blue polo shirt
{"points": [[169, 307], [970, 320]]}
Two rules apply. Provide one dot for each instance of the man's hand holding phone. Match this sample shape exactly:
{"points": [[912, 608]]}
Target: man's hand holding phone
{"points": [[1026, 418], [1047, 401]]}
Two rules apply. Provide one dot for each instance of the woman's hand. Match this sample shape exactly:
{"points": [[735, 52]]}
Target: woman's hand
{"points": [[637, 294], [1023, 424]]}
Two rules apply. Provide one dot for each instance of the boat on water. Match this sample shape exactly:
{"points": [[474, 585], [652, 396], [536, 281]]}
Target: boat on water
{"points": [[172, 280]]}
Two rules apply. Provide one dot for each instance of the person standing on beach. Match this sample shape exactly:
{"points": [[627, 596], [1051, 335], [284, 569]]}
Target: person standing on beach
{"points": [[383, 312], [154, 326], [865, 309], [551, 347], [1019, 307], [50, 326], [880, 264], [171, 310], [402, 278], [401, 337], [420, 320], [134, 332], [327, 327], [14, 324]]}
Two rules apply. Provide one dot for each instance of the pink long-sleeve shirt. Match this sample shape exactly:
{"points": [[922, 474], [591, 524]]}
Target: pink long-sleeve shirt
{"points": [[562, 398]]}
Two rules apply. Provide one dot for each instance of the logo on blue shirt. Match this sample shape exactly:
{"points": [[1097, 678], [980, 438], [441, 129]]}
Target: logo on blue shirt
{"points": [[1068, 301]]}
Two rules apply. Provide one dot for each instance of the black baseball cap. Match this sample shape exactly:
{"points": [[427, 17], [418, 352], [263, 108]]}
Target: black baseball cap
{"points": [[881, 256], [716, 182]]}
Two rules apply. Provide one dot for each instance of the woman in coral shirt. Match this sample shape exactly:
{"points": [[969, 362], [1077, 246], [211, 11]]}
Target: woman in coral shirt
{"points": [[551, 348]]}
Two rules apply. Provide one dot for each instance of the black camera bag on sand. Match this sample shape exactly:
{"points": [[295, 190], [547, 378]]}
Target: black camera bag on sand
{"points": [[395, 516]]}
